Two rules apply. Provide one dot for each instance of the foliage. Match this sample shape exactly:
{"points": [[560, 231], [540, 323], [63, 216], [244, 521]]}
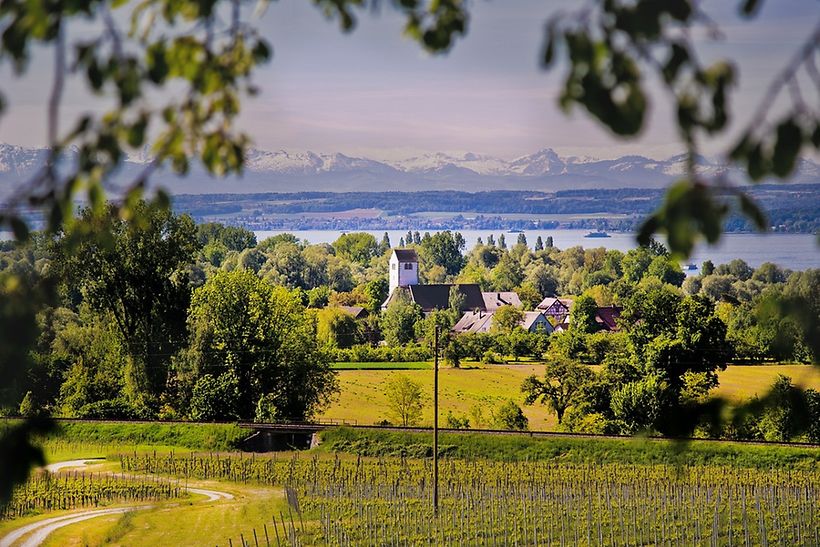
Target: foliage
{"points": [[357, 246], [139, 281], [509, 416], [406, 400], [444, 249], [336, 328], [562, 382], [506, 319], [261, 334], [399, 319]]}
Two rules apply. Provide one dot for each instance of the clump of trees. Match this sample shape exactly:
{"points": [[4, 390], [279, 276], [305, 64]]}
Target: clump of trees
{"points": [[169, 319]]}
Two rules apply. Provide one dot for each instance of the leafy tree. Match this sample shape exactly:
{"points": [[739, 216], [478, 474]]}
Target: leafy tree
{"points": [[639, 404], [769, 273], [259, 333], [506, 319], [234, 238], [737, 268], [336, 328], [563, 380], [584, 310], [507, 274], [140, 280], [707, 268], [539, 244], [522, 239], [529, 296], [666, 270], [509, 416], [216, 398], [717, 287], [399, 320], [96, 356], [444, 249], [405, 400], [377, 291], [357, 246]]}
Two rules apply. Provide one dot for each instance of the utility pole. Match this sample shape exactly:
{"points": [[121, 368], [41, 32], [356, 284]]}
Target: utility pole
{"points": [[435, 424]]}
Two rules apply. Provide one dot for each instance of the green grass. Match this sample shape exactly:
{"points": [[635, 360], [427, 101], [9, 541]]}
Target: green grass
{"points": [[362, 396], [377, 365], [185, 523], [146, 434], [568, 450]]}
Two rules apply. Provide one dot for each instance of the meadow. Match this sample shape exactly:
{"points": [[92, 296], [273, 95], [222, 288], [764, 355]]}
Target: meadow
{"points": [[362, 398]]}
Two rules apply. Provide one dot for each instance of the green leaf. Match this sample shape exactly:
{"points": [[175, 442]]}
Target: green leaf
{"points": [[19, 229], [753, 211], [749, 8], [786, 148]]}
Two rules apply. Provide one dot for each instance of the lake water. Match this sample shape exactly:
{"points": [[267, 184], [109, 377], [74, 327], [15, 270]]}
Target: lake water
{"points": [[793, 251]]}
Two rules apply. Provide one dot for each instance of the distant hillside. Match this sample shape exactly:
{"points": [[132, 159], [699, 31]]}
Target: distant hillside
{"points": [[282, 171]]}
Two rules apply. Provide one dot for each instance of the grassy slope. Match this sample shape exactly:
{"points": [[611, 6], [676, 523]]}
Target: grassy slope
{"points": [[569, 450], [188, 523], [362, 396]]}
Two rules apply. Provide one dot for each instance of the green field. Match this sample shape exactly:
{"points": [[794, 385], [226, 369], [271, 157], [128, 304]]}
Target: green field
{"points": [[362, 397]]}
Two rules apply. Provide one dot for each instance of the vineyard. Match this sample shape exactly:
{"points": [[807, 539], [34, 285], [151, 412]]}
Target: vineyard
{"points": [[376, 501], [74, 490]]}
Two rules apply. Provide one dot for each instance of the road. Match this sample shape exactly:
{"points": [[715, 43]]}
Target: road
{"points": [[35, 534]]}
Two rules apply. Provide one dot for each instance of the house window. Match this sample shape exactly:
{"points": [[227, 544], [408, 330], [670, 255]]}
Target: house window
{"points": [[408, 265], [393, 266]]}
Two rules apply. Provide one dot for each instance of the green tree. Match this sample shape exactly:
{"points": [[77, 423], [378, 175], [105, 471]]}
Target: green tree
{"points": [[336, 328], [506, 319], [234, 238], [405, 400], [357, 246], [216, 398], [399, 320], [444, 249], [582, 315], [539, 244], [377, 291], [262, 335], [562, 383], [139, 279], [509, 416], [639, 405]]}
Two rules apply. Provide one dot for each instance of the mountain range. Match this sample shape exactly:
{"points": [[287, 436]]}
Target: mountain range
{"points": [[287, 171]]}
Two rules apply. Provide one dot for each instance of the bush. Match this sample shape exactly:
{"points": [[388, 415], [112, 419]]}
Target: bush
{"points": [[510, 416], [491, 358], [364, 353]]}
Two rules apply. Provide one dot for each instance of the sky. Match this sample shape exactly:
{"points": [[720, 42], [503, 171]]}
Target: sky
{"points": [[375, 93]]}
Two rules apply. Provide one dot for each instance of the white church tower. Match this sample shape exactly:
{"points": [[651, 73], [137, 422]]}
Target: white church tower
{"points": [[404, 268]]}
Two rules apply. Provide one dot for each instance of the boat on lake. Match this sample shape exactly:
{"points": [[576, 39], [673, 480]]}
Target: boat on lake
{"points": [[691, 267], [599, 233]]}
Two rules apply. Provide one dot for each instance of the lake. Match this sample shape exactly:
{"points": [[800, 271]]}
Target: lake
{"points": [[793, 251]]}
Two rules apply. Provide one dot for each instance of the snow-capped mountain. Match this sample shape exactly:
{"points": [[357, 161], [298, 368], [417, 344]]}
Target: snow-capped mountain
{"points": [[281, 170]]}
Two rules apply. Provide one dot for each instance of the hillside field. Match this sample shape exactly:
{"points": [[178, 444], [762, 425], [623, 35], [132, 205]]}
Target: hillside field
{"points": [[362, 397]]}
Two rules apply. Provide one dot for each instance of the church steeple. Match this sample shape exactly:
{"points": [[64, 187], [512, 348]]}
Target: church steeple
{"points": [[404, 268]]}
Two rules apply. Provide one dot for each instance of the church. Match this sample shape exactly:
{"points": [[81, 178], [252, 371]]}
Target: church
{"points": [[404, 277]]}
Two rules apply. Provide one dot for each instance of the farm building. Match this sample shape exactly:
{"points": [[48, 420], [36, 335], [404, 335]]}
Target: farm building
{"points": [[482, 321]]}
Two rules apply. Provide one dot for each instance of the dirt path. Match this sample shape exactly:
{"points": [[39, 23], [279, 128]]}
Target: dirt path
{"points": [[37, 532]]}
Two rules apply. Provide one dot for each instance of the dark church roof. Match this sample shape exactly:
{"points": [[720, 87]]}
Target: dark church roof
{"points": [[431, 297], [406, 255]]}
